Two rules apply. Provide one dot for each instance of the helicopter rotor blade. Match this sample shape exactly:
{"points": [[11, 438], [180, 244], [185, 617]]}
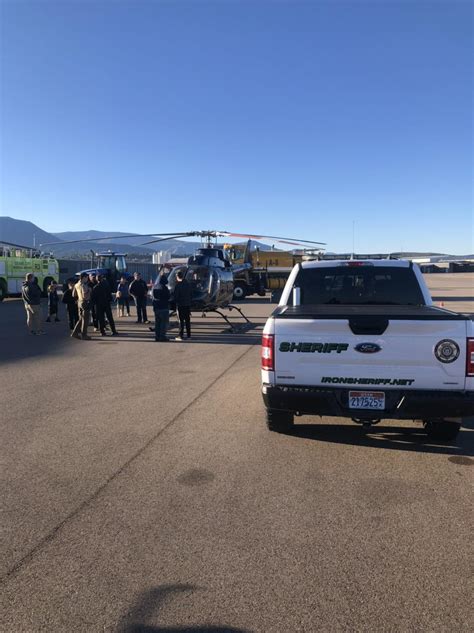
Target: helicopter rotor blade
{"points": [[114, 237], [161, 237], [164, 239], [284, 240]]}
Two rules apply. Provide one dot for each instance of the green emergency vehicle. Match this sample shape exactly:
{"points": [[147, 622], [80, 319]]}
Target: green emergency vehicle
{"points": [[17, 261]]}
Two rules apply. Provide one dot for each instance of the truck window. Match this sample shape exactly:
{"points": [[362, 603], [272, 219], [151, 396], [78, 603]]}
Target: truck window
{"points": [[121, 264], [361, 285]]}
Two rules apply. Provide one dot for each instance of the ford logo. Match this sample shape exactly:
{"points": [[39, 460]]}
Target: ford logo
{"points": [[367, 348]]}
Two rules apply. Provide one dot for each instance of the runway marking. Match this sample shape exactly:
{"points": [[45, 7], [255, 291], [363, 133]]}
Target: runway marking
{"points": [[50, 536]]}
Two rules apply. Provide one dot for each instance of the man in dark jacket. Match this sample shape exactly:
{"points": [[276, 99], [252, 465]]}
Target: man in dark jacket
{"points": [[182, 297], [71, 305], [161, 297], [101, 298], [139, 290], [92, 283], [53, 302], [31, 295]]}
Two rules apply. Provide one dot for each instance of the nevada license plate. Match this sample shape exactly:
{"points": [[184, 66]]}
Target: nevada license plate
{"points": [[366, 400]]}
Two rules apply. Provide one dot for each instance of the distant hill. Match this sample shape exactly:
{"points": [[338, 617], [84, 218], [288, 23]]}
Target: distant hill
{"points": [[23, 232], [84, 235], [130, 245], [81, 249], [26, 233]]}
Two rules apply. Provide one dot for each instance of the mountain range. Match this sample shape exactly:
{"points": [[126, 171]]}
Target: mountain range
{"points": [[26, 233]]}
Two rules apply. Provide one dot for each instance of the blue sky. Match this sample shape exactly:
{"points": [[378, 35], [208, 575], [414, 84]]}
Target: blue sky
{"points": [[288, 118]]}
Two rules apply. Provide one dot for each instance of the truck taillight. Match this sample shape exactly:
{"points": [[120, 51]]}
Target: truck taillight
{"points": [[268, 352], [470, 357]]}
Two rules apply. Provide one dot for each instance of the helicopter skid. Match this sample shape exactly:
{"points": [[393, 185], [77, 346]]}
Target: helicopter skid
{"points": [[233, 329]]}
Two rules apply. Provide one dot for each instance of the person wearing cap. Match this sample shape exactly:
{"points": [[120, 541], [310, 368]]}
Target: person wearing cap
{"points": [[161, 297], [82, 292]]}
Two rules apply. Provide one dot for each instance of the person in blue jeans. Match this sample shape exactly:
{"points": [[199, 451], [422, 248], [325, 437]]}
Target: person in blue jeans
{"points": [[161, 297], [123, 298]]}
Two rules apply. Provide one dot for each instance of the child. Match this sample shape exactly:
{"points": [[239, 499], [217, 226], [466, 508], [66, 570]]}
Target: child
{"points": [[53, 302], [123, 297], [71, 305]]}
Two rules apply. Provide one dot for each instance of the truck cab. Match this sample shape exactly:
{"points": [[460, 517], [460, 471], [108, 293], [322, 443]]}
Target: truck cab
{"points": [[112, 265]]}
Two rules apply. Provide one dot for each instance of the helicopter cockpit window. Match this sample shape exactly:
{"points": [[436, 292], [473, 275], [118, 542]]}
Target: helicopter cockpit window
{"points": [[200, 274], [206, 260]]}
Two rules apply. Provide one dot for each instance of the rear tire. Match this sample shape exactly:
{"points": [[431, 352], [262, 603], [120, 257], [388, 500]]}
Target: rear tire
{"points": [[279, 421], [442, 430]]}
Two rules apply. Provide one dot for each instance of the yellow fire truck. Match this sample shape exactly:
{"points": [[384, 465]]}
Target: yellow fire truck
{"points": [[17, 261], [269, 269]]}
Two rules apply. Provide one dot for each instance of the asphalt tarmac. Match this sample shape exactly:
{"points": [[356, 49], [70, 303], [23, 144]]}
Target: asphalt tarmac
{"points": [[141, 491]]}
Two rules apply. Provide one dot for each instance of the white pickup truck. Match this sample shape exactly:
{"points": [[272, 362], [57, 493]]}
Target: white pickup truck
{"points": [[361, 339]]}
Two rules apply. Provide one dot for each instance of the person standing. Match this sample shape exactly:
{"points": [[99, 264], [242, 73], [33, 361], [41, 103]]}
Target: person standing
{"points": [[139, 290], [71, 305], [82, 292], [92, 283], [161, 297], [31, 295], [53, 302], [182, 297], [101, 298], [123, 297]]}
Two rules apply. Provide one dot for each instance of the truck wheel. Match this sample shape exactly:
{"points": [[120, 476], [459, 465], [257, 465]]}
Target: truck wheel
{"points": [[240, 291], [442, 430], [3, 290], [279, 421]]}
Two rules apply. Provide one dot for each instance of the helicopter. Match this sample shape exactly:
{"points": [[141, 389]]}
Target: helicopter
{"points": [[209, 271]]}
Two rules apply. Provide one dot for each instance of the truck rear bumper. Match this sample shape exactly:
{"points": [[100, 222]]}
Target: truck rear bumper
{"points": [[399, 404]]}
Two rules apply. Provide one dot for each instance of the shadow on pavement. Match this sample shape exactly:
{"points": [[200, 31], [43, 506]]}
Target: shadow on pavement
{"points": [[392, 437], [16, 343], [148, 606]]}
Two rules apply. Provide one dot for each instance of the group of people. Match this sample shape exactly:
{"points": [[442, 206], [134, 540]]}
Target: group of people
{"points": [[90, 298]]}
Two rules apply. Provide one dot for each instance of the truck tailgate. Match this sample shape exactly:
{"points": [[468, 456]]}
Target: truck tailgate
{"points": [[323, 350]]}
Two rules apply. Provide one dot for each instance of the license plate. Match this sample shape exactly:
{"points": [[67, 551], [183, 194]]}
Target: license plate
{"points": [[366, 400]]}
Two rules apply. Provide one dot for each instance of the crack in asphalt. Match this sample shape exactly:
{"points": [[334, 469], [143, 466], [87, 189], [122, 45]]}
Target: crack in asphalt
{"points": [[50, 536]]}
